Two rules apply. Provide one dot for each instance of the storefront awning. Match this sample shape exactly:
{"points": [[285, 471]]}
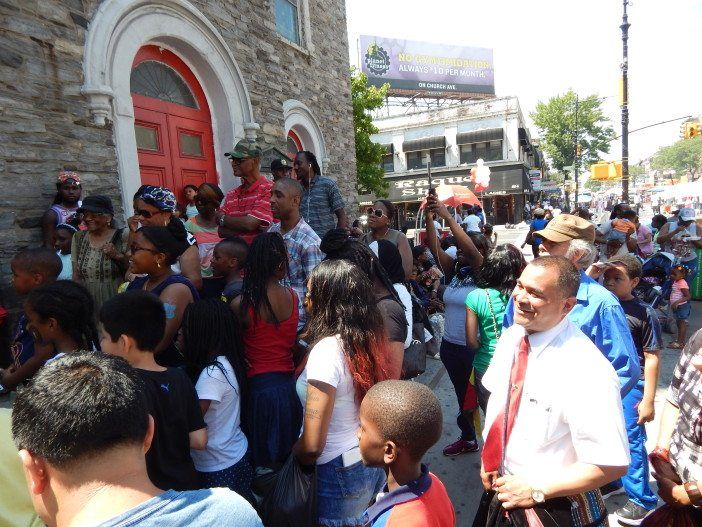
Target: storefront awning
{"points": [[480, 136], [426, 143]]}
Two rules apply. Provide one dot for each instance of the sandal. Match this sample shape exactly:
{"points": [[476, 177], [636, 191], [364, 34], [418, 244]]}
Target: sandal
{"points": [[675, 346]]}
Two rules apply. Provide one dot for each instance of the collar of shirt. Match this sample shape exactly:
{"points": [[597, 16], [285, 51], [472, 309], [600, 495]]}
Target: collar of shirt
{"points": [[539, 341], [584, 288], [241, 191], [404, 493]]}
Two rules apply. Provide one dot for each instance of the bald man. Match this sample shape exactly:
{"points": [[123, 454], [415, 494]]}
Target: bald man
{"points": [[300, 239]]}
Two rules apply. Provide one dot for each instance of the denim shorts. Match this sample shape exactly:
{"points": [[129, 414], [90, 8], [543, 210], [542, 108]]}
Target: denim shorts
{"points": [[343, 493], [682, 312]]}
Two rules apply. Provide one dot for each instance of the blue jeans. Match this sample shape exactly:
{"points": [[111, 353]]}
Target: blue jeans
{"points": [[682, 312], [636, 479], [458, 361], [343, 493]]}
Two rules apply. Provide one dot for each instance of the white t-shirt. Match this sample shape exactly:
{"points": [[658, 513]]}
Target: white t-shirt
{"points": [[327, 363], [406, 300], [472, 223], [226, 443]]}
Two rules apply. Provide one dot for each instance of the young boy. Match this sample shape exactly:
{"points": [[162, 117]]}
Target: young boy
{"points": [[31, 268], [228, 259], [400, 421], [621, 276], [132, 326], [680, 304]]}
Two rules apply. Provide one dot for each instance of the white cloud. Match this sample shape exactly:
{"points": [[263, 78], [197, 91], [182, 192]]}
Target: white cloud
{"points": [[543, 48]]}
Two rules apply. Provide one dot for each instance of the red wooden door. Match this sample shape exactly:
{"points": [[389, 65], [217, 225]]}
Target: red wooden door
{"points": [[171, 121]]}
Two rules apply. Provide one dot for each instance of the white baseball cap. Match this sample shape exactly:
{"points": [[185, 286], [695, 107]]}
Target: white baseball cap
{"points": [[687, 214]]}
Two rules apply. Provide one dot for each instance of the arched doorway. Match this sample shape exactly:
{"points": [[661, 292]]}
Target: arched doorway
{"points": [[172, 122], [294, 145]]}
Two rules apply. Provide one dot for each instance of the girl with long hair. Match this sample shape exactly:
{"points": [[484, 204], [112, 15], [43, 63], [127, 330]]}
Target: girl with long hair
{"points": [[153, 251], [348, 356], [214, 359], [62, 314], [337, 245], [268, 314], [485, 308]]}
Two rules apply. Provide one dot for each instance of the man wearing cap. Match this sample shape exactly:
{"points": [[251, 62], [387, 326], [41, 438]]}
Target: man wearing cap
{"points": [[280, 168], [246, 211], [673, 237], [597, 311]]}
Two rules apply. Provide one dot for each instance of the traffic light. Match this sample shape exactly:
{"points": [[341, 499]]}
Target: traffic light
{"points": [[578, 150], [691, 129], [606, 171]]}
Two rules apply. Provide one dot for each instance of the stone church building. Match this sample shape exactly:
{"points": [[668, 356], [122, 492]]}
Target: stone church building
{"points": [[127, 92]]}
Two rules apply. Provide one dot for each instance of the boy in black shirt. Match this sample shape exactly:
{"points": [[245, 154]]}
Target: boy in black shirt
{"points": [[621, 276], [132, 326]]}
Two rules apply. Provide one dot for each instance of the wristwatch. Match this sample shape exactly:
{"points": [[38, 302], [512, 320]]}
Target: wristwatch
{"points": [[538, 496], [693, 492]]}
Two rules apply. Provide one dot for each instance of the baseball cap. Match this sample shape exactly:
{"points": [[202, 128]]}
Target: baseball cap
{"points": [[566, 227], [98, 204], [279, 164], [245, 149], [686, 214]]}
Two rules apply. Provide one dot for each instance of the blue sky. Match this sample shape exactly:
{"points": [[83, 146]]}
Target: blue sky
{"points": [[545, 47]]}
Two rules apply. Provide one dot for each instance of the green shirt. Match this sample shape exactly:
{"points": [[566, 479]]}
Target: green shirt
{"points": [[489, 323]]}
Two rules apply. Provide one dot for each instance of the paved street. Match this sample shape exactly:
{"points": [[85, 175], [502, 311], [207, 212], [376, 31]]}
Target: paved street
{"points": [[461, 474]]}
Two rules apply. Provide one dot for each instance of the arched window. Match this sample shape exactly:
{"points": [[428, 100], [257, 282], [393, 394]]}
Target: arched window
{"points": [[294, 145], [154, 79]]}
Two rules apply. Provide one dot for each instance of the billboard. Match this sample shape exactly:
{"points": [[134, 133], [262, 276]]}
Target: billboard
{"points": [[411, 67]]}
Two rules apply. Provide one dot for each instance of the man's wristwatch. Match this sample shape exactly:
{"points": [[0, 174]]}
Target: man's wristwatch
{"points": [[538, 496], [693, 492]]}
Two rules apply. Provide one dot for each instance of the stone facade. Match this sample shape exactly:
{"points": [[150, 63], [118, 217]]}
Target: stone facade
{"points": [[46, 124]]}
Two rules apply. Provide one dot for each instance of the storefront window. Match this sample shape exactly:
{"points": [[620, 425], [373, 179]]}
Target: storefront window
{"points": [[490, 151], [438, 157], [388, 163], [414, 160], [494, 151]]}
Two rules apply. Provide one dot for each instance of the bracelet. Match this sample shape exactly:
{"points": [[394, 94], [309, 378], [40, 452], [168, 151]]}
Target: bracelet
{"points": [[693, 492], [662, 453]]}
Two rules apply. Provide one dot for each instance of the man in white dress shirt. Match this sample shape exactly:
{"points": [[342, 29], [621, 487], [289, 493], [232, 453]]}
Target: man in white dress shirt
{"points": [[566, 435]]}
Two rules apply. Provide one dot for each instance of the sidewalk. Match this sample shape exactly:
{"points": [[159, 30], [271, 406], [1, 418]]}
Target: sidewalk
{"points": [[461, 474]]}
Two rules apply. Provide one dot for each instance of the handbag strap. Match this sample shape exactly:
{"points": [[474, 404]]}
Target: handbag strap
{"points": [[492, 314]]}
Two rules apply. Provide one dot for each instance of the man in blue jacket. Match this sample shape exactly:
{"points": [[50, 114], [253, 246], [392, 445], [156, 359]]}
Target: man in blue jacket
{"points": [[598, 313]]}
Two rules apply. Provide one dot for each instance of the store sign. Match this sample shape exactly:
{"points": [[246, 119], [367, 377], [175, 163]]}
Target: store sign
{"points": [[427, 67], [417, 188]]}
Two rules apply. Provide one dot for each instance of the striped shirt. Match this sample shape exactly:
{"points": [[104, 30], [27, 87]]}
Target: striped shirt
{"points": [[254, 201], [319, 202], [303, 256]]}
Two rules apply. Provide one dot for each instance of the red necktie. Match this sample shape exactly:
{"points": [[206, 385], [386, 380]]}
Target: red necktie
{"points": [[494, 447]]}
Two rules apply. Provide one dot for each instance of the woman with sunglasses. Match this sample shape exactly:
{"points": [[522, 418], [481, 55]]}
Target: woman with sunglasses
{"points": [[204, 227], [98, 253], [154, 207], [153, 251], [380, 217]]}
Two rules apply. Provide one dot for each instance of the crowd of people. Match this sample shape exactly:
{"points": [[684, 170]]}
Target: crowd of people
{"points": [[168, 371]]}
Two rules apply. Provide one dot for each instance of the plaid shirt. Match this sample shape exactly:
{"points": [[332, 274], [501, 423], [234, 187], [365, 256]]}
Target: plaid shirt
{"points": [[303, 256], [255, 201], [319, 202], [685, 392]]}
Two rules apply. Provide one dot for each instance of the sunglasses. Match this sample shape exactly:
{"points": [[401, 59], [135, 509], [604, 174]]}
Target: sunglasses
{"points": [[377, 212], [144, 213]]}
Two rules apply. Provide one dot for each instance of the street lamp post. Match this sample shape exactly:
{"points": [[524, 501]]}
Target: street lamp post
{"points": [[625, 105]]}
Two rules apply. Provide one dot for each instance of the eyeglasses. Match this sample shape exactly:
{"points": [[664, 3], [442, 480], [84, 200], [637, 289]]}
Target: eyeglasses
{"points": [[377, 212], [135, 249], [91, 215], [236, 161], [146, 214]]}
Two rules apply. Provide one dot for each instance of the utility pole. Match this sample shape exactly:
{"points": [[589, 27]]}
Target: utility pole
{"points": [[575, 150], [625, 105]]}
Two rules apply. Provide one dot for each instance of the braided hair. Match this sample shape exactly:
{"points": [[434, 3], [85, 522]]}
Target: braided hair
{"points": [[312, 160], [211, 330], [71, 305], [266, 254]]}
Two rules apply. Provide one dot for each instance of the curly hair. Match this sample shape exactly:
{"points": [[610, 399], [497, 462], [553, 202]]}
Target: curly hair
{"points": [[501, 270]]}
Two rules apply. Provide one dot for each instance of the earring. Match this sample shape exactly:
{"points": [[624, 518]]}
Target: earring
{"points": [[158, 264]]}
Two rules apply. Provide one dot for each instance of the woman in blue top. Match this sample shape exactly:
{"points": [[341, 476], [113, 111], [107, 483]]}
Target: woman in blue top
{"points": [[153, 251], [537, 224], [455, 354]]}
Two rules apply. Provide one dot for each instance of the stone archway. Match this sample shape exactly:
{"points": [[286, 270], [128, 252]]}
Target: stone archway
{"points": [[118, 30], [300, 120]]}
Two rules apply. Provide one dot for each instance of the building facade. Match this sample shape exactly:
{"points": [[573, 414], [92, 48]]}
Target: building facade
{"points": [[127, 92], [454, 138]]}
